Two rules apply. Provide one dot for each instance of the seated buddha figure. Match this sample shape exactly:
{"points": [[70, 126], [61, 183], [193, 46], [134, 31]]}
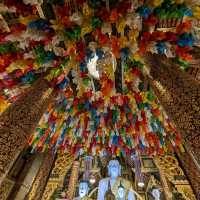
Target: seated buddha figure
{"points": [[83, 191], [115, 187]]}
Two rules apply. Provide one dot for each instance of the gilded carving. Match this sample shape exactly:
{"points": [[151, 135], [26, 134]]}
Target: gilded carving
{"points": [[182, 101], [40, 181], [191, 170], [172, 170], [73, 180], [186, 191], [49, 190], [170, 166], [6, 188], [182, 106], [19, 120], [62, 165]]}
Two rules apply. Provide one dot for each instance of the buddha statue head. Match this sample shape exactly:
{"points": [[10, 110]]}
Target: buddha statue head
{"points": [[83, 189], [156, 193], [114, 169]]}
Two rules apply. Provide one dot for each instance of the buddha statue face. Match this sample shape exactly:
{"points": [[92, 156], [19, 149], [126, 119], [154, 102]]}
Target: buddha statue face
{"points": [[114, 169], [83, 189], [121, 193], [156, 194]]}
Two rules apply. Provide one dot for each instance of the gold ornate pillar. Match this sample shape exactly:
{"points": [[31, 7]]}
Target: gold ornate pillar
{"points": [[18, 122], [191, 170], [173, 173], [168, 194], [62, 165], [179, 94], [41, 179], [73, 180]]}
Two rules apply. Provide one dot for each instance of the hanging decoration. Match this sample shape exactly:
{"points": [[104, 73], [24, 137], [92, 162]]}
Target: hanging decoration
{"points": [[84, 48], [170, 24], [102, 120]]}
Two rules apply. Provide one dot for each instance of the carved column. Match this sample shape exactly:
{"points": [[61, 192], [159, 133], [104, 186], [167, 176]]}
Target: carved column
{"points": [[62, 165], [191, 170], [18, 122], [168, 194], [41, 179], [170, 169], [179, 94], [73, 180]]}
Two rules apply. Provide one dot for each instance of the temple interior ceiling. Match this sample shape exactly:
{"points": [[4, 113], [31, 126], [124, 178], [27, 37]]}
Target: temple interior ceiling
{"points": [[100, 99]]}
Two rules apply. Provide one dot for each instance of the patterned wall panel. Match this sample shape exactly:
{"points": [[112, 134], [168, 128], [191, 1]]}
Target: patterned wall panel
{"points": [[19, 120], [73, 181], [191, 171], [179, 93], [175, 175], [6, 188]]}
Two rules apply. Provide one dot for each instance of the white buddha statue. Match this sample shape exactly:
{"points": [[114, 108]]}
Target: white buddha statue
{"points": [[120, 188], [156, 193], [83, 191]]}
